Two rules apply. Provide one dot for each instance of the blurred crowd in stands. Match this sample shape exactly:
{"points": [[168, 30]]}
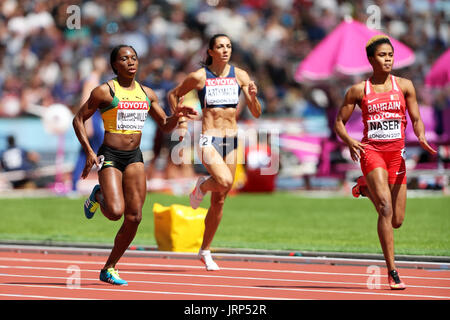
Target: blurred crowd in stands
{"points": [[42, 61], [47, 48]]}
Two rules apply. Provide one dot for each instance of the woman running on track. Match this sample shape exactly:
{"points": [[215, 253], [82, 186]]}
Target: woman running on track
{"points": [[124, 105], [384, 100], [218, 84]]}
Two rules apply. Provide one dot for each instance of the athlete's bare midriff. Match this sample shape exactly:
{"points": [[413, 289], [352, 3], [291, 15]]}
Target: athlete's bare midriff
{"points": [[120, 141], [219, 122]]}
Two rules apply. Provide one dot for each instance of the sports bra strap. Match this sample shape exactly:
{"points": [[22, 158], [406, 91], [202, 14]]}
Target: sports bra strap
{"points": [[110, 90], [367, 88], [143, 90], [394, 83]]}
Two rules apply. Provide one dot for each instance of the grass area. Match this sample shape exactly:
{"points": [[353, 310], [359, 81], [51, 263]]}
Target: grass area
{"points": [[280, 221]]}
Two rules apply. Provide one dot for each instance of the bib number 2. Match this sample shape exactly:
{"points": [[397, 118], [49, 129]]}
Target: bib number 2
{"points": [[205, 141]]}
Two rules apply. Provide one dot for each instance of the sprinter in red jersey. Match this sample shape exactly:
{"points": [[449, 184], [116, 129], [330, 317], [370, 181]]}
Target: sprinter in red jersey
{"points": [[384, 100]]}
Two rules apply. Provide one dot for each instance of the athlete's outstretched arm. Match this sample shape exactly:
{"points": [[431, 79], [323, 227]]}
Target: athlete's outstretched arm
{"points": [[345, 111], [167, 124], [250, 91], [86, 111], [414, 114], [194, 80]]}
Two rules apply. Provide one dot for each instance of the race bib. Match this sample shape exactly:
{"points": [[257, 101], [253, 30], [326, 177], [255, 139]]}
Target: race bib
{"points": [[384, 129], [131, 115], [222, 91], [205, 141]]}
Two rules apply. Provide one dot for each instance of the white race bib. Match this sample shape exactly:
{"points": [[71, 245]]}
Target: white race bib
{"points": [[385, 129], [131, 115], [222, 91]]}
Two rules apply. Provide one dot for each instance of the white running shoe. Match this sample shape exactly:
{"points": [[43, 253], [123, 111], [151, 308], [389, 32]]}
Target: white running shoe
{"points": [[196, 196], [206, 258]]}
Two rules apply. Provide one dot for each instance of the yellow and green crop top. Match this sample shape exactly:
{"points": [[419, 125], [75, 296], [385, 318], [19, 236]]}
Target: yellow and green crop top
{"points": [[128, 111]]}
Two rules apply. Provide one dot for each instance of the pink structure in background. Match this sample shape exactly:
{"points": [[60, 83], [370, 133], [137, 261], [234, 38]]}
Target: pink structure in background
{"points": [[439, 74], [343, 52]]}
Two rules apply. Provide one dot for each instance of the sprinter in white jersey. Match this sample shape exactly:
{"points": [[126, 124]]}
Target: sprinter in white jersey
{"points": [[218, 84]]}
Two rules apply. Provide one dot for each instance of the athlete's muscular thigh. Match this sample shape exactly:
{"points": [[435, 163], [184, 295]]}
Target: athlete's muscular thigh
{"points": [[216, 166], [135, 189], [377, 181], [111, 186], [231, 161], [218, 198]]}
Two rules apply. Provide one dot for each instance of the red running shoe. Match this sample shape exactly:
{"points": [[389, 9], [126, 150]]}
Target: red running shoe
{"points": [[360, 182], [394, 281]]}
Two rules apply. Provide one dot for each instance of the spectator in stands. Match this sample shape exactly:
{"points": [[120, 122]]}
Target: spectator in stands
{"points": [[15, 158], [33, 27], [175, 30]]}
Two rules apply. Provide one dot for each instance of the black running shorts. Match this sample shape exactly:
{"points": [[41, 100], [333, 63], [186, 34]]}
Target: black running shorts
{"points": [[118, 158]]}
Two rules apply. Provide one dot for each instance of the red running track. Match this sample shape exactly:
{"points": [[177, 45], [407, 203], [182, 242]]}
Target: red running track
{"points": [[55, 276]]}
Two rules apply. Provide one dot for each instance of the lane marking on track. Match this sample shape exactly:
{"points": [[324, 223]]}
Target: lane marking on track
{"points": [[123, 289], [256, 287], [214, 277], [202, 267], [24, 296]]}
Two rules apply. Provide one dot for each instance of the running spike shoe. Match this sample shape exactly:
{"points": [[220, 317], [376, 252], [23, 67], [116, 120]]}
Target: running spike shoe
{"points": [[206, 258], [196, 196], [112, 276], [91, 205], [394, 281], [356, 191]]}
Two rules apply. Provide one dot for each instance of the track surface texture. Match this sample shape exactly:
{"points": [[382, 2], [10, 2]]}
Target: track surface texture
{"points": [[28, 274]]}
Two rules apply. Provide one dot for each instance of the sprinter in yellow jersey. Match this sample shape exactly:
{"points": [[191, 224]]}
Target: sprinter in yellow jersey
{"points": [[124, 105]]}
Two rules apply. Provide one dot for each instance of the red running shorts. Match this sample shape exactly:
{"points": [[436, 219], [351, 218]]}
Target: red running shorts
{"points": [[392, 161]]}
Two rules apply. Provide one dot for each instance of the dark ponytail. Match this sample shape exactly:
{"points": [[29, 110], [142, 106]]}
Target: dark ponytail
{"points": [[211, 44]]}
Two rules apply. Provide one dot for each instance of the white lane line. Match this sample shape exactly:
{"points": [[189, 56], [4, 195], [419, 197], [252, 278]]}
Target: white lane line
{"points": [[254, 257], [382, 294], [149, 282], [255, 287], [28, 296], [124, 290], [202, 267], [217, 277]]}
